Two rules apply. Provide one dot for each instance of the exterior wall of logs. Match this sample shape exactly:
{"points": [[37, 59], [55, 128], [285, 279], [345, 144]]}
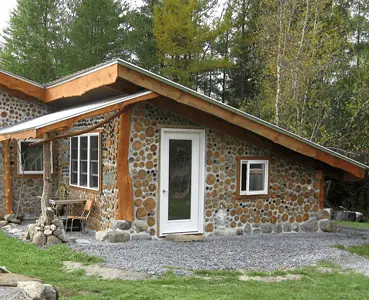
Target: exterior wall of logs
{"points": [[15, 108], [294, 184]]}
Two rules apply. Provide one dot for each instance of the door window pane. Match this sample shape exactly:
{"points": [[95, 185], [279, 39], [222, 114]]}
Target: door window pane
{"points": [[180, 169]]}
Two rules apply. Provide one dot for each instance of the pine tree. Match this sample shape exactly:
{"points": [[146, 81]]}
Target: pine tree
{"points": [[32, 40], [183, 39], [96, 33], [140, 36]]}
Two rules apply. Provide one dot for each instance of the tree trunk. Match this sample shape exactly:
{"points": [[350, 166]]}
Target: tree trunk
{"points": [[47, 188]]}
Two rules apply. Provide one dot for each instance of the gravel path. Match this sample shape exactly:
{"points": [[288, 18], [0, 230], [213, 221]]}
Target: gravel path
{"points": [[266, 252], [257, 253]]}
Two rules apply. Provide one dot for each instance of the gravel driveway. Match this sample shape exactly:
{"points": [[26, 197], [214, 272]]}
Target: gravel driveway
{"points": [[252, 252]]}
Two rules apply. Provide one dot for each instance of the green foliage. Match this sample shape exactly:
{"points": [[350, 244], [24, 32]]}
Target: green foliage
{"points": [[95, 33], [183, 39], [32, 40]]}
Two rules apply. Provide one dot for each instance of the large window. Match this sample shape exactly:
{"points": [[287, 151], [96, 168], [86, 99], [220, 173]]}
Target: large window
{"points": [[253, 176], [30, 159], [85, 161]]}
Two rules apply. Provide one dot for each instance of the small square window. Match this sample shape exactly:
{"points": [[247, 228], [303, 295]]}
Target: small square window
{"points": [[253, 177], [30, 159]]}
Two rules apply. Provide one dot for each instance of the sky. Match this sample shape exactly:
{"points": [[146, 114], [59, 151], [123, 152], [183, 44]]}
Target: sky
{"points": [[5, 7]]}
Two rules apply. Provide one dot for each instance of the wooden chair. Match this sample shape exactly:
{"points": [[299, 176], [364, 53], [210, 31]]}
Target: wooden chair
{"points": [[83, 217]]}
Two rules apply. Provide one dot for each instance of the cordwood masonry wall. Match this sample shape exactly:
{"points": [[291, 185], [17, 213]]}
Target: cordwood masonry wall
{"points": [[15, 108], [294, 184]]}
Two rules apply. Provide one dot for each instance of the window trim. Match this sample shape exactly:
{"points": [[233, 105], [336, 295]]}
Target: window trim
{"points": [[77, 186], [256, 194], [17, 158]]}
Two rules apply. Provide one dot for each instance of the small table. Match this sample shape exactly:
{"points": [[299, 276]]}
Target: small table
{"points": [[55, 201]]}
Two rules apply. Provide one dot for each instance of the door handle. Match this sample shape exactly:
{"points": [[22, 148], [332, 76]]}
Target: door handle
{"points": [[164, 191]]}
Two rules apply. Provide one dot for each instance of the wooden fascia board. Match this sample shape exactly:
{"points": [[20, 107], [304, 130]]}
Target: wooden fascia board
{"points": [[82, 84], [23, 86], [27, 134], [231, 117]]}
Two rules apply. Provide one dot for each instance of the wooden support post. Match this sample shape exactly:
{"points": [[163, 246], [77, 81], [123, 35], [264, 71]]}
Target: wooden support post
{"points": [[7, 178], [125, 192], [47, 187], [320, 177]]}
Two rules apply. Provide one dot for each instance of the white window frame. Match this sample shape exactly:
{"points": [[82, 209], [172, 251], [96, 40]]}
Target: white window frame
{"points": [[88, 135], [247, 192], [19, 156]]}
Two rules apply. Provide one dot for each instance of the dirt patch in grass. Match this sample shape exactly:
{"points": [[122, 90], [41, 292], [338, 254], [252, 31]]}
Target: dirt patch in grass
{"points": [[103, 272]]}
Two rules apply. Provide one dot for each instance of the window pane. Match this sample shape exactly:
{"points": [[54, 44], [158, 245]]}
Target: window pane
{"points": [[83, 147], [243, 175], [180, 159], [94, 148], [94, 168], [31, 158], [73, 178], [257, 176], [94, 181], [74, 147]]}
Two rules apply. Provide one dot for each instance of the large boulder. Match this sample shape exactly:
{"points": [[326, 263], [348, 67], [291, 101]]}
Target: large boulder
{"points": [[37, 290], [39, 239], [53, 240], [266, 228], [286, 227], [328, 225], [3, 223], [322, 214], [310, 226], [142, 236], [139, 226], [112, 236], [122, 225], [8, 217], [277, 228]]}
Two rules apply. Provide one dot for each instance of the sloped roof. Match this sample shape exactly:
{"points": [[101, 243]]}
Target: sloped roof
{"points": [[107, 73], [28, 129]]}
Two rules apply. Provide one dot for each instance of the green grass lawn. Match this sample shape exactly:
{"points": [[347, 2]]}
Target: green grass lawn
{"points": [[364, 225], [362, 250], [28, 260]]}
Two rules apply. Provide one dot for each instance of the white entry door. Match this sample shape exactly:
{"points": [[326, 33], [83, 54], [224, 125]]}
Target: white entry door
{"points": [[182, 156]]}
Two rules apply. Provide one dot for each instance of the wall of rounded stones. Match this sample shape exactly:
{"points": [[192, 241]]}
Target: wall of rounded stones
{"points": [[105, 202], [294, 191], [15, 108]]}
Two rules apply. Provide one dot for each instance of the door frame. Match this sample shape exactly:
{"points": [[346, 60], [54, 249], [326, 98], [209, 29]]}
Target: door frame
{"points": [[201, 177]]}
